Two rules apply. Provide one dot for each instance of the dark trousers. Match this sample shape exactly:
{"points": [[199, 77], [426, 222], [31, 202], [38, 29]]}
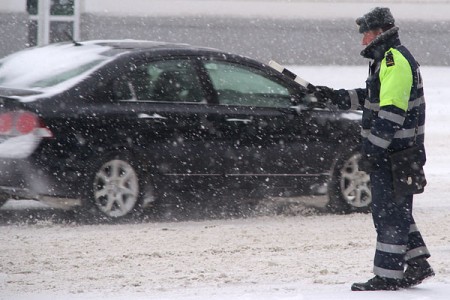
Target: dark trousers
{"points": [[398, 239]]}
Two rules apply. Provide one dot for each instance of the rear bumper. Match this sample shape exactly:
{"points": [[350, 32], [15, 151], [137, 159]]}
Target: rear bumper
{"points": [[24, 179], [7, 193]]}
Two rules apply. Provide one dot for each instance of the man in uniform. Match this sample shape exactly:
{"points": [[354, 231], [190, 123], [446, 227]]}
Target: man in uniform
{"points": [[393, 119]]}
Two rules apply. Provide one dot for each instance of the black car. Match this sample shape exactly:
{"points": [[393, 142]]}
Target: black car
{"points": [[119, 125]]}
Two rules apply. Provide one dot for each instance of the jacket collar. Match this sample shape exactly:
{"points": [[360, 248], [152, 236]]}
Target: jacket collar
{"points": [[376, 49]]}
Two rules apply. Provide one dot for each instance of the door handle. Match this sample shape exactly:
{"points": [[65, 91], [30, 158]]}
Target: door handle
{"points": [[155, 116], [237, 120]]}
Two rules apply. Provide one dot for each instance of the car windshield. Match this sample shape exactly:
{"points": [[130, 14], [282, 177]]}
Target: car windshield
{"points": [[44, 67]]}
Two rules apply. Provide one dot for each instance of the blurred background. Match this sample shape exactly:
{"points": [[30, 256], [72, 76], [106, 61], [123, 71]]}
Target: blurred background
{"points": [[293, 32]]}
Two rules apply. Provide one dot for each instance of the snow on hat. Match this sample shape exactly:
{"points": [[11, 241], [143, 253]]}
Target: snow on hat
{"points": [[379, 17]]}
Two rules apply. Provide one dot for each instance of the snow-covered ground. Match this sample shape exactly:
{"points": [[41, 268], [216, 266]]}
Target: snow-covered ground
{"points": [[296, 256]]}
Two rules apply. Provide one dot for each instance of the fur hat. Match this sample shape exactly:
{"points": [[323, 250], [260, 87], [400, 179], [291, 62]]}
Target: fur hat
{"points": [[377, 18]]}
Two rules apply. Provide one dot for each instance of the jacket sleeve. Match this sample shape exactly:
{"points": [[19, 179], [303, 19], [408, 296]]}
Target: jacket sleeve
{"points": [[350, 99], [344, 99]]}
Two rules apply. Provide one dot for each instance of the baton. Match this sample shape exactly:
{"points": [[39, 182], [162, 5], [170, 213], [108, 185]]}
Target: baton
{"points": [[307, 85]]}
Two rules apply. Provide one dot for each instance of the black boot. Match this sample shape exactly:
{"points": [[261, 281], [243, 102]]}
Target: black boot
{"points": [[416, 272], [378, 284]]}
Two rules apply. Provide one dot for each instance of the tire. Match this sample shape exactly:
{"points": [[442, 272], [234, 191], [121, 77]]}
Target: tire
{"points": [[114, 188], [349, 188]]}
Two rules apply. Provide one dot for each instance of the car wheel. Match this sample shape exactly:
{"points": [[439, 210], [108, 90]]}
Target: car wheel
{"points": [[115, 188], [349, 188]]}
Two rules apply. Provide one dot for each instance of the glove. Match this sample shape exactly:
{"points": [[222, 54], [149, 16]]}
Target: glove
{"points": [[325, 95]]}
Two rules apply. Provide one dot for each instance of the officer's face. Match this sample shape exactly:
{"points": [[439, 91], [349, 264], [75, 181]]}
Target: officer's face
{"points": [[369, 36]]}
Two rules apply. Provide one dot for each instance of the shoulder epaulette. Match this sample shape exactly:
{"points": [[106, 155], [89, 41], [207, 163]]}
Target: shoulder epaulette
{"points": [[389, 59]]}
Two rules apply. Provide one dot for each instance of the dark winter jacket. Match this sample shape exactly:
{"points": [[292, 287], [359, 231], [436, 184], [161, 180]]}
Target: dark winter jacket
{"points": [[393, 101]]}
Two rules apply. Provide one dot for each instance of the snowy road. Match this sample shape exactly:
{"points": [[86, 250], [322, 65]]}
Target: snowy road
{"points": [[300, 256]]}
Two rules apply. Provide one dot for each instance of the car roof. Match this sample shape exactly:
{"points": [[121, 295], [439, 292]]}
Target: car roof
{"points": [[128, 45], [119, 47]]}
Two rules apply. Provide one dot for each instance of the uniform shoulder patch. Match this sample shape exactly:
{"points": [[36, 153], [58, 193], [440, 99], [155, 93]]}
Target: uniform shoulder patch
{"points": [[390, 59]]}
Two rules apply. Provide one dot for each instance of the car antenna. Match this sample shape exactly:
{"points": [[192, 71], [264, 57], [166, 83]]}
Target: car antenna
{"points": [[71, 38]]}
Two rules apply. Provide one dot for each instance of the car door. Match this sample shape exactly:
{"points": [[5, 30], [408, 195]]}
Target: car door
{"points": [[269, 136], [165, 103]]}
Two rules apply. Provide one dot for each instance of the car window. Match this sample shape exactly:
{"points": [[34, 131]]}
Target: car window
{"points": [[171, 80], [241, 85]]}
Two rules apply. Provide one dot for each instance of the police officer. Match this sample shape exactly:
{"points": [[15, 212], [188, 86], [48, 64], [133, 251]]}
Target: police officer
{"points": [[393, 119]]}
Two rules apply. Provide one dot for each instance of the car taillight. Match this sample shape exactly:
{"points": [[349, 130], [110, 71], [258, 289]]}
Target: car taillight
{"points": [[26, 122], [6, 123], [22, 122]]}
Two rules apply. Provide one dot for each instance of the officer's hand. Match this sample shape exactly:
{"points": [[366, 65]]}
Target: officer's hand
{"points": [[325, 95]]}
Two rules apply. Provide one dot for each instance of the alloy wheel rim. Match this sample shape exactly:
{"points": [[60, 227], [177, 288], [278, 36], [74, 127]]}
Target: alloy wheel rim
{"points": [[116, 188], [355, 184]]}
